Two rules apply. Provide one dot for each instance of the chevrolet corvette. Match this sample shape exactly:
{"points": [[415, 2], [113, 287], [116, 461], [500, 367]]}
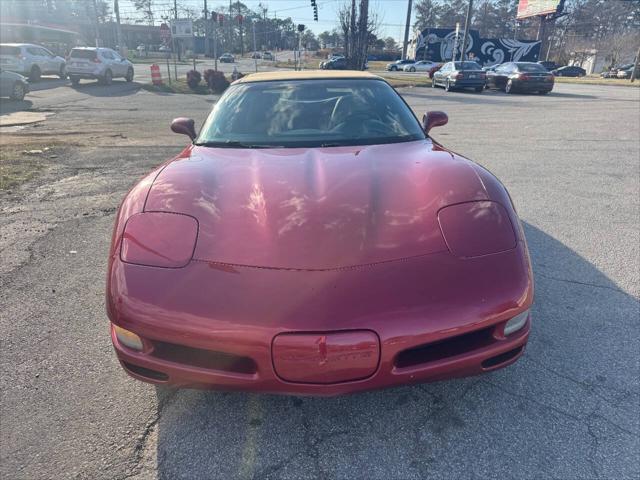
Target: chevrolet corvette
{"points": [[314, 239]]}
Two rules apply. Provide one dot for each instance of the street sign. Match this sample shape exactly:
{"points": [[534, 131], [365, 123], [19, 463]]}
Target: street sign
{"points": [[182, 28], [165, 32]]}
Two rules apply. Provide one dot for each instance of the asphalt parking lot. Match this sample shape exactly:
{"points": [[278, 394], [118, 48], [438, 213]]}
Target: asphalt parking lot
{"points": [[569, 409]]}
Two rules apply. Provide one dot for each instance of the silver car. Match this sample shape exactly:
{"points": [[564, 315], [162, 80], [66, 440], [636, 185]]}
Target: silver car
{"points": [[13, 85], [31, 61], [102, 64]]}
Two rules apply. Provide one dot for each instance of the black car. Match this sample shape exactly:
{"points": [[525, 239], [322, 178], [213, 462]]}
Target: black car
{"points": [[460, 75], [336, 63], [550, 66], [569, 71], [520, 77]]}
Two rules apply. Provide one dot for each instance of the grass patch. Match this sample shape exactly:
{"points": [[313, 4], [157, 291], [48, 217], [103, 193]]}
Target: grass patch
{"points": [[311, 65], [179, 86], [402, 81], [594, 80], [21, 162]]}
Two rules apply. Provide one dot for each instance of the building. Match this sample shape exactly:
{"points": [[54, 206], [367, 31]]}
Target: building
{"points": [[439, 44], [56, 38]]}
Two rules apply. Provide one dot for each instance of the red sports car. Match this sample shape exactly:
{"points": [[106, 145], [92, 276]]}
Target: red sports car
{"points": [[314, 240]]}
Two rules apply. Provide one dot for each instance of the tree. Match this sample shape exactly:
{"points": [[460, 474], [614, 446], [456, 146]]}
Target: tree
{"points": [[309, 40], [145, 7], [357, 27], [390, 44], [452, 12], [427, 14]]}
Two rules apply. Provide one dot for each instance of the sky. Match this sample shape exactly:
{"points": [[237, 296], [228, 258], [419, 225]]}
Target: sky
{"points": [[391, 13]]}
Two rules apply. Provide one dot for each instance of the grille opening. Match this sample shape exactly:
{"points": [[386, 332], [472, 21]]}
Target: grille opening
{"points": [[146, 372], [446, 348], [202, 358], [502, 358]]}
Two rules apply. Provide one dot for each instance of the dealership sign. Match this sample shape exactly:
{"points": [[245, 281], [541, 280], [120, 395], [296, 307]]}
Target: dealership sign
{"points": [[182, 28], [534, 8]]}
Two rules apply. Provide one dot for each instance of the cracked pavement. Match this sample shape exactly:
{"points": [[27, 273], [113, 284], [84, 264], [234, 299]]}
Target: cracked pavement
{"points": [[569, 409]]}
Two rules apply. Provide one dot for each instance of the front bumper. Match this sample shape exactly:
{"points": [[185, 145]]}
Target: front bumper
{"points": [[436, 317]]}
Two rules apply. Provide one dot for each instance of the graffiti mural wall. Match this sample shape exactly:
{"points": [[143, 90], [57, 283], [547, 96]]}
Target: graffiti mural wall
{"points": [[437, 44]]}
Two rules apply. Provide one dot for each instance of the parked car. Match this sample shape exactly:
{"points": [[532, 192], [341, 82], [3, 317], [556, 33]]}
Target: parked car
{"points": [[256, 55], [13, 85], [520, 77], [227, 58], [467, 74], [420, 66], [430, 239], [102, 64], [569, 71], [336, 63], [267, 56], [165, 49], [626, 72], [549, 65], [399, 65], [30, 60]]}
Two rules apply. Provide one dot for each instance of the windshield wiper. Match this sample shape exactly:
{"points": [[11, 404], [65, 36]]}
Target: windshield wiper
{"points": [[235, 144]]}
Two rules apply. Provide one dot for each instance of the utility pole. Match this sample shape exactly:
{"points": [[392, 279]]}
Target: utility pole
{"points": [[206, 30], [405, 44], [230, 26], [634, 74], [116, 9], [95, 11], [253, 28], [467, 24], [173, 37]]}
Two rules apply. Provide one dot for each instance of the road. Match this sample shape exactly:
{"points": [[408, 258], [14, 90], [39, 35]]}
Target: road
{"points": [[568, 409]]}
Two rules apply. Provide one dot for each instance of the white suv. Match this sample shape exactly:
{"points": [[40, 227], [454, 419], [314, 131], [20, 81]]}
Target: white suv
{"points": [[102, 64], [31, 61]]}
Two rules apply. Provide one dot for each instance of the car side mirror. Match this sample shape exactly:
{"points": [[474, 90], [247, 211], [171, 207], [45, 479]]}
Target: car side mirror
{"points": [[433, 119], [185, 126]]}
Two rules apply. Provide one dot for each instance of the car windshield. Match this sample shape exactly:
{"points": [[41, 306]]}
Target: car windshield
{"points": [[530, 67], [77, 53], [309, 113], [467, 66]]}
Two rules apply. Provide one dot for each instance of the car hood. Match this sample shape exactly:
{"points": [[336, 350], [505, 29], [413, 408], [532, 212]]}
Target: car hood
{"points": [[315, 209]]}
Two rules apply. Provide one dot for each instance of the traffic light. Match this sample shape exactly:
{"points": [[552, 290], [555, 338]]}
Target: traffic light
{"points": [[314, 4], [301, 28]]}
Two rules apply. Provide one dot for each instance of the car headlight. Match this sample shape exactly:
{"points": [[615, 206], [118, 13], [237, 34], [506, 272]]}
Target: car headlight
{"points": [[516, 323], [159, 239], [473, 229]]}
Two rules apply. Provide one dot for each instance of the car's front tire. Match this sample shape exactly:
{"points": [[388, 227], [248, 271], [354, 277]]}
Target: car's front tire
{"points": [[75, 81], [447, 85], [107, 78], [63, 72], [34, 74], [129, 76], [479, 89], [412, 69], [17, 92]]}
